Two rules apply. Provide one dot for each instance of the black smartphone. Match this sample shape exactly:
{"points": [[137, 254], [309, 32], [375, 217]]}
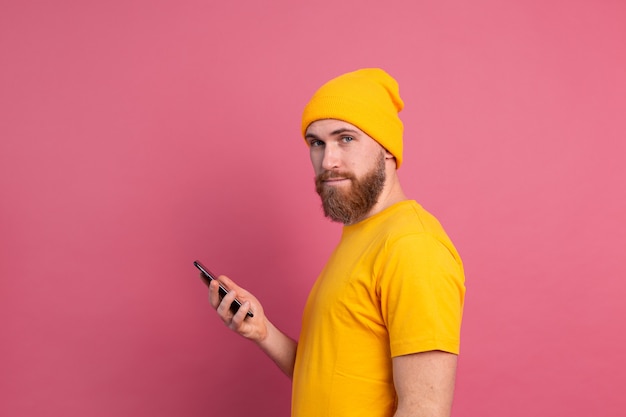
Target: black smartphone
{"points": [[209, 276]]}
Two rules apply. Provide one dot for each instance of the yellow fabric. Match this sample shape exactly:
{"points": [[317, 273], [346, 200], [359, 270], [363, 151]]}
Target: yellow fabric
{"points": [[367, 98], [393, 286]]}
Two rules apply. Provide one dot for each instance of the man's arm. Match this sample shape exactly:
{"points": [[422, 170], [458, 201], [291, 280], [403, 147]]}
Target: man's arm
{"points": [[424, 383], [277, 345], [280, 348]]}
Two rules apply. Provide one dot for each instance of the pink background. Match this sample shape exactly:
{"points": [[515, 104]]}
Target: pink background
{"points": [[137, 136]]}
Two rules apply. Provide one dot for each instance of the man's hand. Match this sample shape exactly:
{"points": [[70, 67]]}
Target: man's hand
{"points": [[277, 345], [253, 328]]}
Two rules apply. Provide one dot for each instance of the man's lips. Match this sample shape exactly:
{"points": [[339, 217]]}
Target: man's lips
{"points": [[333, 181], [329, 178]]}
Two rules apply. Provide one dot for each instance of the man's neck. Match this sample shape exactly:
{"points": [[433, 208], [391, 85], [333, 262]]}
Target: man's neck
{"points": [[391, 194]]}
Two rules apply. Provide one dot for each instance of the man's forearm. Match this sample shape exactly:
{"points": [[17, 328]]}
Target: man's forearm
{"points": [[280, 348]]}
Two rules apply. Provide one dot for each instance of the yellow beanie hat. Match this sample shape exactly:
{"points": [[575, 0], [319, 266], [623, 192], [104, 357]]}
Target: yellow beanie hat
{"points": [[367, 98]]}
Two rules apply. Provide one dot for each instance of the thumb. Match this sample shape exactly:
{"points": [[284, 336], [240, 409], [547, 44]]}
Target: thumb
{"points": [[228, 283]]}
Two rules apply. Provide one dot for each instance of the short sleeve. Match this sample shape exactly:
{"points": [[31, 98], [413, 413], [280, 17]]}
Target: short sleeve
{"points": [[422, 290]]}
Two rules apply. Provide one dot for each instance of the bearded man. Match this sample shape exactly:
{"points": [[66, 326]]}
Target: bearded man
{"points": [[381, 327]]}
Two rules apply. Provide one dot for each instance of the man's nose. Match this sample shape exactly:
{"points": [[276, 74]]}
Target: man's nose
{"points": [[331, 158]]}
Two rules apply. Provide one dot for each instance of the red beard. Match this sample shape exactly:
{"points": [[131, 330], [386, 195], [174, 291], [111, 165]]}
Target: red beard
{"points": [[352, 204]]}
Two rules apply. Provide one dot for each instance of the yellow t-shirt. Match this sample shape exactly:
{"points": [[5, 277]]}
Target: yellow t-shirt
{"points": [[393, 286]]}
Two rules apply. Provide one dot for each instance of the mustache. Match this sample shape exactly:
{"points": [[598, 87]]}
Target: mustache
{"points": [[327, 175]]}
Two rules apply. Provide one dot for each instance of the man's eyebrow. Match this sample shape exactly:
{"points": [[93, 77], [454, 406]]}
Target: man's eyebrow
{"points": [[336, 132], [311, 136], [343, 130]]}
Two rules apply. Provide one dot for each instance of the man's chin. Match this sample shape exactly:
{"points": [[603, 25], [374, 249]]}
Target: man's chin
{"points": [[343, 187]]}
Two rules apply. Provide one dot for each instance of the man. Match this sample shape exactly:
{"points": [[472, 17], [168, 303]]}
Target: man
{"points": [[380, 330]]}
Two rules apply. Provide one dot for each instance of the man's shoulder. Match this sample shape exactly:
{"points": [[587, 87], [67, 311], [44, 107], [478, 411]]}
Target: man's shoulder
{"points": [[410, 217], [411, 224]]}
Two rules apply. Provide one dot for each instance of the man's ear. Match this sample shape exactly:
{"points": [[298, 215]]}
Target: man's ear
{"points": [[391, 159]]}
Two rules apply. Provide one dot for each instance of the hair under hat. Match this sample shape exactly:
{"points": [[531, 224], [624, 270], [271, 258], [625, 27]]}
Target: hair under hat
{"points": [[367, 98]]}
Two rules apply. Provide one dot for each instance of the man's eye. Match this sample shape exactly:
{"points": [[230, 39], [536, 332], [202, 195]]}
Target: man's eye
{"points": [[316, 143], [347, 138]]}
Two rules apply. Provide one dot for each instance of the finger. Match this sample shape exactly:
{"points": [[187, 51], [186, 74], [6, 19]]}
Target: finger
{"points": [[238, 315], [214, 296], [241, 314], [224, 306], [230, 284]]}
